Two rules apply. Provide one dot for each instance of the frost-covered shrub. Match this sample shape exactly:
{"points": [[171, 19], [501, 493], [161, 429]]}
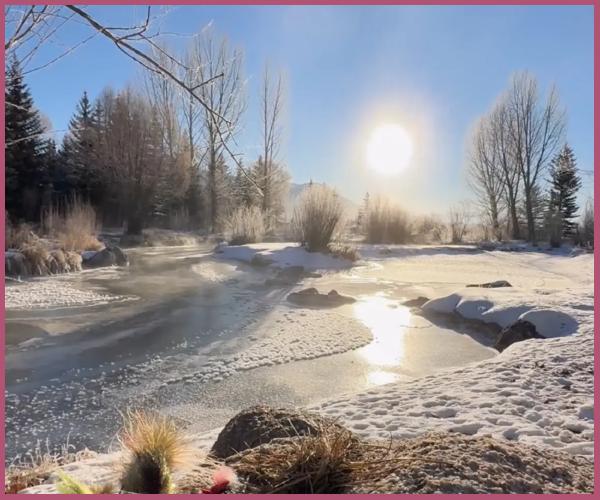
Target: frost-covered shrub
{"points": [[386, 223], [245, 225], [343, 251], [317, 217]]}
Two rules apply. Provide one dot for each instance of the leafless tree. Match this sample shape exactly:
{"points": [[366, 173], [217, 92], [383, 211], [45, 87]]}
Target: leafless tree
{"points": [[485, 175], [269, 175], [536, 131], [132, 151], [224, 98], [500, 122]]}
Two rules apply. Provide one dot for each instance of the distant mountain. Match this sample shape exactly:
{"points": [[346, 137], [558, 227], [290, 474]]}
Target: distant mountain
{"points": [[350, 207]]}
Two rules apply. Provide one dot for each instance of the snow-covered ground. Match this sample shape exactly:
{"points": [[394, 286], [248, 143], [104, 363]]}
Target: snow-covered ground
{"points": [[538, 392], [282, 255]]}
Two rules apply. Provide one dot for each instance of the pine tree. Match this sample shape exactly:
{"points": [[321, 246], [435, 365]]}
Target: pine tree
{"points": [[565, 184], [79, 151], [24, 148]]}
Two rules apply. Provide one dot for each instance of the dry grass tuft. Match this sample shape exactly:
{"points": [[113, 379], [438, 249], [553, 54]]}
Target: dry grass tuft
{"points": [[386, 223], [75, 228], [155, 447], [16, 237], [245, 225], [304, 464], [37, 257], [36, 467], [317, 217], [334, 461], [342, 251]]}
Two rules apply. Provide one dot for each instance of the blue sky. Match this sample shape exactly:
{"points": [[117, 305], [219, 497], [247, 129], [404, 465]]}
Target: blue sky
{"points": [[433, 70]]}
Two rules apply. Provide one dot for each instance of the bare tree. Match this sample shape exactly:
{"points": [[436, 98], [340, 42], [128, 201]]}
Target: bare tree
{"points": [[500, 122], [133, 153], [485, 175], [269, 175], [224, 98], [536, 131]]}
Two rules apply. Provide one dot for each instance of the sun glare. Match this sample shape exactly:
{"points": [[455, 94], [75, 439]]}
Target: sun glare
{"points": [[389, 150]]}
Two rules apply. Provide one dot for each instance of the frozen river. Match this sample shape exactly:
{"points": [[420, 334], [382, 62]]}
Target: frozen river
{"points": [[200, 338]]}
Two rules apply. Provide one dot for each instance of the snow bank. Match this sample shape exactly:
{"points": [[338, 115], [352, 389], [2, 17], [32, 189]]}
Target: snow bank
{"points": [[282, 255], [505, 306], [537, 392], [50, 293]]}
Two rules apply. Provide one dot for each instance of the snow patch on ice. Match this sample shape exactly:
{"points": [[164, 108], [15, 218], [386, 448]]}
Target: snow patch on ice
{"points": [[282, 255], [53, 293]]}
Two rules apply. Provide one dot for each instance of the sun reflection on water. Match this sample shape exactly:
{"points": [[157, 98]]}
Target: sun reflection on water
{"points": [[387, 322]]}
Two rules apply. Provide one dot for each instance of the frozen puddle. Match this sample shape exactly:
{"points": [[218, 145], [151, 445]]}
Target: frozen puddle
{"points": [[407, 344]]}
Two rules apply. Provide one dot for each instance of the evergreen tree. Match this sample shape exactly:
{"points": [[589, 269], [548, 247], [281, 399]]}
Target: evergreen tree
{"points": [[563, 191], [24, 149], [79, 151]]}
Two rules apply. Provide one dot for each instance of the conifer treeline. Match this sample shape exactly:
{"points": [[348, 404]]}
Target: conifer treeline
{"points": [[131, 157]]}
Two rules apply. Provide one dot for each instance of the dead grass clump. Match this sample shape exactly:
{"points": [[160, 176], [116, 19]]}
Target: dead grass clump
{"points": [[245, 225], [16, 237], [75, 227], [342, 251], [386, 223], [163, 237], [35, 468], [304, 464], [154, 446], [37, 257], [317, 217]]}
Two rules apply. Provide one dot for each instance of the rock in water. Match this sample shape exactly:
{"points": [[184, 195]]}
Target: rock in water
{"points": [[120, 256], [517, 332], [418, 302], [261, 424], [109, 256], [15, 264], [492, 284], [312, 298]]}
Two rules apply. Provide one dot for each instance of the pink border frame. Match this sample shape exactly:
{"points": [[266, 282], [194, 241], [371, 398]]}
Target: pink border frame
{"points": [[595, 3]]}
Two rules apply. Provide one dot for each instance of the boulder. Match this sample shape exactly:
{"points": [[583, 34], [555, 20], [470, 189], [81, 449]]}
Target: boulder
{"points": [[418, 302], [312, 298], [517, 332], [492, 284], [262, 424], [120, 255], [15, 264], [109, 256], [286, 276]]}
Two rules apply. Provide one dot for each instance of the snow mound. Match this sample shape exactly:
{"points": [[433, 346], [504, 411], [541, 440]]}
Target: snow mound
{"points": [[502, 307], [282, 255]]}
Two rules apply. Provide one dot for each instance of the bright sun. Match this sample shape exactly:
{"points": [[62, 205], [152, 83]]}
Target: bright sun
{"points": [[389, 149]]}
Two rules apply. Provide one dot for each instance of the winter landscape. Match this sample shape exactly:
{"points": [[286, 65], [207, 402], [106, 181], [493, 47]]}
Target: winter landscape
{"points": [[232, 265]]}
